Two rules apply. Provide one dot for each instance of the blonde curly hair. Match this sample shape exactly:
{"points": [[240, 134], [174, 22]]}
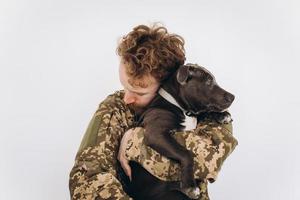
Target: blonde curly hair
{"points": [[151, 50]]}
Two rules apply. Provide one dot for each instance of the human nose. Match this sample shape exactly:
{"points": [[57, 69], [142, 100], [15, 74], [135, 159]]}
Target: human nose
{"points": [[129, 97]]}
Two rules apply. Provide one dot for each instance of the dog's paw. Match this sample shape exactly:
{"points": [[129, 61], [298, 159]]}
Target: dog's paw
{"points": [[225, 118], [191, 192], [221, 117]]}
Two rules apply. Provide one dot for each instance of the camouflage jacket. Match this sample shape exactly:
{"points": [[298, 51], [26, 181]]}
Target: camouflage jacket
{"points": [[94, 174]]}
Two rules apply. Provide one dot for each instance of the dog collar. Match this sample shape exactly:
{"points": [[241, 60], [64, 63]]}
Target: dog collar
{"points": [[189, 122]]}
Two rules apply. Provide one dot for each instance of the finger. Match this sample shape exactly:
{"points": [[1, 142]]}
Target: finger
{"points": [[127, 169], [129, 173]]}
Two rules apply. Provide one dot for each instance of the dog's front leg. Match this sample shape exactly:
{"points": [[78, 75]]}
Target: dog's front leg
{"points": [[158, 124]]}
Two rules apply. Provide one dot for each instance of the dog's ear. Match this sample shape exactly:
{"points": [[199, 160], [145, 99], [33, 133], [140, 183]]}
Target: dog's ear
{"points": [[183, 74]]}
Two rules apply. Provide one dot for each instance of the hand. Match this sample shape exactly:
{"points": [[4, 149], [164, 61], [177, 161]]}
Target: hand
{"points": [[121, 155]]}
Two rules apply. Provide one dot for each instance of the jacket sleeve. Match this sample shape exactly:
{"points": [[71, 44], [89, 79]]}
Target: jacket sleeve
{"points": [[211, 143], [93, 175]]}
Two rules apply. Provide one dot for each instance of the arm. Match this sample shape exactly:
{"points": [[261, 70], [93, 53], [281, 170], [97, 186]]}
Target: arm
{"points": [[209, 155], [93, 175]]}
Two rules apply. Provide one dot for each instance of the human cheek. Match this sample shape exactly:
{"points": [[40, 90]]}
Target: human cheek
{"points": [[146, 100]]}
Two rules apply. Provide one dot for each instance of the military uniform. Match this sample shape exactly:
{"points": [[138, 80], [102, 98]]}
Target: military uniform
{"points": [[94, 174]]}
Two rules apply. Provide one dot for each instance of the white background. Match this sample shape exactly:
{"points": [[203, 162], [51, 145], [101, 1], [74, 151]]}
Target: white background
{"points": [[58, 62]]}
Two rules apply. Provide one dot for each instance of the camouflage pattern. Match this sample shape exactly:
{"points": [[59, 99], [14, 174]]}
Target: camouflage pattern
{"points": [[209, 155], [94, 174]]}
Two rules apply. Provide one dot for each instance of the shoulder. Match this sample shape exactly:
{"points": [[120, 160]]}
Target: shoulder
{"points": [[217, 121], [113, 102]]}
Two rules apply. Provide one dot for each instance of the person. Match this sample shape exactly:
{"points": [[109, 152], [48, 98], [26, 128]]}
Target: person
{"points": [[148, 55]]}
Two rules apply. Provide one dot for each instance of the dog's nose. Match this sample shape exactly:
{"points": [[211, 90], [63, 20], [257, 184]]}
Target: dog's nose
{"points": [[229, 97]]}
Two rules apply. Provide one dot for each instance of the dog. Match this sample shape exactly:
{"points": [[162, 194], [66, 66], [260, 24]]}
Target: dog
{"points": [[188, 94]]}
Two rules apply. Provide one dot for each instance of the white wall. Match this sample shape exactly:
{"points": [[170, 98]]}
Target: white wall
{"points": [[58, 62]]}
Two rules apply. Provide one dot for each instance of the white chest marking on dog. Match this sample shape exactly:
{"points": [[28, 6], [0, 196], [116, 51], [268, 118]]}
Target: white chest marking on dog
{"points": [[189, 122]]}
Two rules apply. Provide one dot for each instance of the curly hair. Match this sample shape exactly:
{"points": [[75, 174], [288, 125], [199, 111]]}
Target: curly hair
{"points": [[151, 50]]}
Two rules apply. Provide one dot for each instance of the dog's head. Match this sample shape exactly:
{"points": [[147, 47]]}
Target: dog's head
{"points": [[199, 90]]}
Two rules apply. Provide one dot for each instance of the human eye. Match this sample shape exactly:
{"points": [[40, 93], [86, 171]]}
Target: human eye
{"points": [[140, 94]]}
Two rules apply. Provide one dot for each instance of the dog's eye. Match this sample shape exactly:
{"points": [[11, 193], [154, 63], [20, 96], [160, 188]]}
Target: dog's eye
{"points": [[192, 68]]}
